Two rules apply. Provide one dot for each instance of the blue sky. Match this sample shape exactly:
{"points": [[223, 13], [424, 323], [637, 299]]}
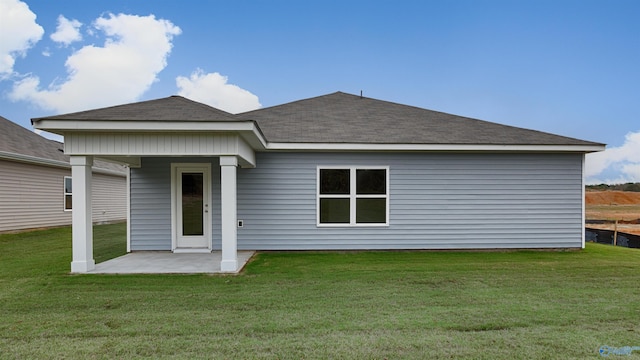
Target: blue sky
{"points": [[565, 67]]}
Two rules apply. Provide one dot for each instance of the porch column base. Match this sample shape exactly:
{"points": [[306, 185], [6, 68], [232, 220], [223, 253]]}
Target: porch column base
{"points": [[229, 265], [82, 266]]}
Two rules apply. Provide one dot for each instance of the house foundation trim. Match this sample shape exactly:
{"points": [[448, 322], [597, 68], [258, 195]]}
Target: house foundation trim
{"points": [[82, 224], [229, 216]]}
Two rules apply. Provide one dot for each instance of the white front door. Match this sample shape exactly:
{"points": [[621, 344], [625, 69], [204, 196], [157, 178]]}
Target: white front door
{"points": [[191, 207]]}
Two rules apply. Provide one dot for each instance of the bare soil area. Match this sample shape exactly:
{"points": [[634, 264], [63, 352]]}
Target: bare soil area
{"points": [[623, 206], [612, 198]]}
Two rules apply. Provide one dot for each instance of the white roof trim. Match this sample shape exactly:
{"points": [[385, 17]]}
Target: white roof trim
{"points": [[60, 126], [252, 134], [431, 147]]}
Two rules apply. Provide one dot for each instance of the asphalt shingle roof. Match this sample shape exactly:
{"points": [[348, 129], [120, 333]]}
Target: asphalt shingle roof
{"points": [[173, 108], [346, 118], [337, 118]]}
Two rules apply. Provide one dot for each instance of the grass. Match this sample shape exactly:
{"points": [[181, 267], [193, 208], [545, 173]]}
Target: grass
{"points": [[340, 305]]}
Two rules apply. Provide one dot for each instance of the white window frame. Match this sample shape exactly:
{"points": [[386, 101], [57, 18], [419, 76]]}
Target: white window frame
{"points": [[65, 193], [353, 196]]}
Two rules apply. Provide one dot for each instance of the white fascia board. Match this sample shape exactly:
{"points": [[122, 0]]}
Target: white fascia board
{"points": [[61, 126], [431, 147]]}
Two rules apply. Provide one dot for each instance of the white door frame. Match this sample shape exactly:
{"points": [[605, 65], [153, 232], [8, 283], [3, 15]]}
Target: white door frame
{"points": [[176, 170]]}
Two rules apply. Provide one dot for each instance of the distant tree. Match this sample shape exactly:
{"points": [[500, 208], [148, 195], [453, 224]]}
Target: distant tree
{"points": [[635, 187], [632, 187]]}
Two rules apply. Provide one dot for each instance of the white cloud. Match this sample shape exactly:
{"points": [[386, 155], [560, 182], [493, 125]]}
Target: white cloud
{"points": [[19, 33], [622, 161], [67, 31], [120, 71], [213, 89]]}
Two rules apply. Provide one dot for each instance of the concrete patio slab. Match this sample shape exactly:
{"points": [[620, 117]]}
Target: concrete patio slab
{"points": [[163, 262]]}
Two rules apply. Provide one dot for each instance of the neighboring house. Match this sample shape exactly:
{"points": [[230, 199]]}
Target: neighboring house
{"points": [[36, 188], [332, 172]]}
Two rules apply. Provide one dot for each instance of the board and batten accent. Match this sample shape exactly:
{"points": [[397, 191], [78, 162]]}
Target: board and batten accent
{"points": [[436, 200], [33, 197], [159, 144]]}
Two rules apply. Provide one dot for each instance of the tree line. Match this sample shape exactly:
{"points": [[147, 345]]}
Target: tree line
{"points": [[617, 187]]}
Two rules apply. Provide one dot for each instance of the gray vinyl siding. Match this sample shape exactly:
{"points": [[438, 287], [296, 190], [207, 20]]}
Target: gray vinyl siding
{"points": [[150, 200], [32, 196], [150, 205], [437, 201]]}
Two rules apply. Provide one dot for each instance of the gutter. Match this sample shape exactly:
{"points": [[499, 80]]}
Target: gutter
{"points": [[280, 146], [53, 163]]}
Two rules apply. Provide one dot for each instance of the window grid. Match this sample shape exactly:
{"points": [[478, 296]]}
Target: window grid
{"points": [[67, 188], [353, 197]]}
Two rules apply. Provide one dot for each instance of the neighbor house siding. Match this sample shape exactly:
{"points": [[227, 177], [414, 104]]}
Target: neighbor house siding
{"points": [[151, 202], [437, 201], [32, 196], [109, 198]]}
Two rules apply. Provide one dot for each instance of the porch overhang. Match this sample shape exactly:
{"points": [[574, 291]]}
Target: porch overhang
{"points": [[127, 141]]}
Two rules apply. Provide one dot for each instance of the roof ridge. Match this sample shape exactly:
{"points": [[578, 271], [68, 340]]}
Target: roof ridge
{"points": [[293, 102]]}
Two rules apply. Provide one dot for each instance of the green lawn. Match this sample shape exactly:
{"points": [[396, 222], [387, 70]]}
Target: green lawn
{"points": [[338, 305]]}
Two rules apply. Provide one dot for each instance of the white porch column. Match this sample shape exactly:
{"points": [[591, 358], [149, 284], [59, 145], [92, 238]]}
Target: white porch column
{"points": [[228, 199], [82, 224]]}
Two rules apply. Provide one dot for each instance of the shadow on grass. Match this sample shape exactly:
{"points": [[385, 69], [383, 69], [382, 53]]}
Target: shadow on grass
{"points": [[109, 241]]}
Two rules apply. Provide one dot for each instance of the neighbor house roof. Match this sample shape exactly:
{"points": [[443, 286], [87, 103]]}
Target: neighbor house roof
{"points": [[20, 144], [173, 108], [346, 118], [15, 139]]}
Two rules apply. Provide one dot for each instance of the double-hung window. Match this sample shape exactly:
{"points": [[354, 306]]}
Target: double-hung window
{"points": [[353, 196], [67, 193]]}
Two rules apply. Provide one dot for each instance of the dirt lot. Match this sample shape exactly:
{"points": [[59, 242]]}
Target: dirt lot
{"points": [[612, 205]]}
